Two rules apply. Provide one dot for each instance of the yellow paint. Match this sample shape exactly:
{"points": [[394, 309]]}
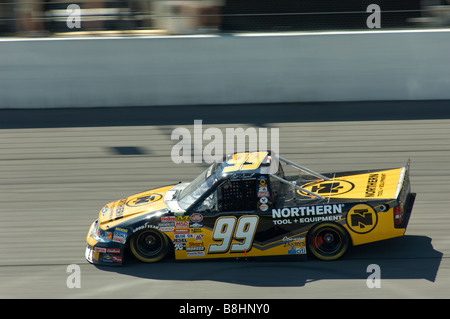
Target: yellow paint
{"points": [[382, 226], [376, 185], [142, 203]]}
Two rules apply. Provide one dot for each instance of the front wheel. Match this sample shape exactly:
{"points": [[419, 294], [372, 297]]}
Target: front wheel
{"points": [[149, 245], [328, 241]]}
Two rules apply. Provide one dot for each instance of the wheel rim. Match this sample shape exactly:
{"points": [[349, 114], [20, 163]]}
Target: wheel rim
{"points": [[149, 244], [327, 242]]}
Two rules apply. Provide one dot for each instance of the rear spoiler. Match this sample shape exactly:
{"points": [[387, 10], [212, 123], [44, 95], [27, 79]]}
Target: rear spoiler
{"points": [[404, 178]]}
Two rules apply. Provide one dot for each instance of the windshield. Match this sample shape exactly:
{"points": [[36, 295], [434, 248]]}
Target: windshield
{"points": [[198, 187]]}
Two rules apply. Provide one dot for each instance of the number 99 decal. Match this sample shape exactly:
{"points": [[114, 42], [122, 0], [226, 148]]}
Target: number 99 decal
{"points": [[245, 161], [228, 228]]}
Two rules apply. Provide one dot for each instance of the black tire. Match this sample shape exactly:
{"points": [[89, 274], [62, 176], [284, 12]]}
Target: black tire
{"points": [[149, 245], [327, 241]]}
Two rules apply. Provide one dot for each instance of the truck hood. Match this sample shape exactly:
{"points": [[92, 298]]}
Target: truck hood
{"points": [[142, 203], [382, 184]]}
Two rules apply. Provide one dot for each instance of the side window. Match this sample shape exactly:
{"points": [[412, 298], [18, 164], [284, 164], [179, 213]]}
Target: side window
{"points": [[210, 204], [238, 195]]}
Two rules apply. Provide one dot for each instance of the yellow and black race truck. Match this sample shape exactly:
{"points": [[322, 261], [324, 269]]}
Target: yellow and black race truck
{"points": [[246, 206]]}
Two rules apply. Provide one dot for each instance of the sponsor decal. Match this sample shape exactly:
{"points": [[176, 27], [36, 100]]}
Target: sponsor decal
{"points": [[179, 231], [296, 245], [362, 219], [195, 253], [374, 181], [263, 192], [179, 246], [296, 250], [381, 185], [144, 200], [182, 224], [105, 210], [195, 225], [289, 239], [262, 182], [307, 214], [120, 208], [195, 246], [120, 235], [167, 223], [196, 218], [100, 249], [146, 225], [307, 220], [166, 226], [327, 188], [183, 236], [371, 185], [294, 242], [302, 211], [108, 258]]}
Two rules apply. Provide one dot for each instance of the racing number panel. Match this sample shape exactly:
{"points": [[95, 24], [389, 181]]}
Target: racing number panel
{"points": [[229, 228]]}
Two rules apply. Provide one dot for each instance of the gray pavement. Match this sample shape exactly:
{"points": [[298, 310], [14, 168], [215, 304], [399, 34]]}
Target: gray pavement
{"points": [[59, 167]]}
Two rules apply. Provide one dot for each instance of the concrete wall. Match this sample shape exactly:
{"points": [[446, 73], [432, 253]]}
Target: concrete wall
{"points": [[224, 69]]}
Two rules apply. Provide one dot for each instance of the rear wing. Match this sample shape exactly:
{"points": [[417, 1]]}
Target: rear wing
{"points": [[405, 200], [408, 164], [404, 186]]}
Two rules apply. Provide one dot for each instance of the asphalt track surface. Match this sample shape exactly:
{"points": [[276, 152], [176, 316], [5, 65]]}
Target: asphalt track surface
{"points": [[59, 167]]}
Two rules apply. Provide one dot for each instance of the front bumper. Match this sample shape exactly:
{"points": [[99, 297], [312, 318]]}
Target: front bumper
{"points": [[107, 253]]}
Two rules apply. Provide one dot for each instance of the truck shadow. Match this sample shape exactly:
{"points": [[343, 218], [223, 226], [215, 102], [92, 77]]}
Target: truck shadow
{"points": [[407, 257]]}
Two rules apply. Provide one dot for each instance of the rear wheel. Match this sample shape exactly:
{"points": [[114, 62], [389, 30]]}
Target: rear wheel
{"points": [[149, 245], [327, 241]]}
